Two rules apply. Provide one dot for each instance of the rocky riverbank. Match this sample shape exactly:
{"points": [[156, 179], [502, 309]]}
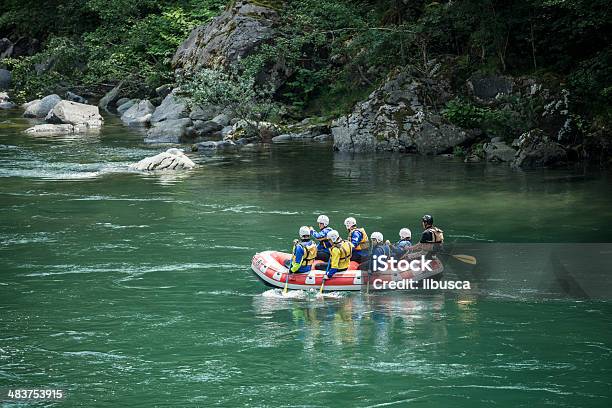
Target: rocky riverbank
{"points": [[522, 121]]}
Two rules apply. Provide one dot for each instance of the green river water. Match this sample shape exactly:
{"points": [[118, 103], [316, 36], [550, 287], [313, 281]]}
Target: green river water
{"points": [[132, 289]]}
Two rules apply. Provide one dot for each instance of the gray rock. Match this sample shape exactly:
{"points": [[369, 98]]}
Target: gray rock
{"points": [[246, 140], [5, 102], [74, 113], [322, 138], [218, 145], [122, 108], [395, 117], [307, 135], [226, 130], [282, 138], [164, 90], [169, 131], [537, 150], [6, 48], [499, 151], [497, 139], [40, 108], [227, 38], [204, 112], [49, 129], [488, 87], [210, 145], [138, 114], [221, 119], [171, 108], [171, 159], [108, 101], [75, 98], [204, 128], [121, 101], [5, 78]]}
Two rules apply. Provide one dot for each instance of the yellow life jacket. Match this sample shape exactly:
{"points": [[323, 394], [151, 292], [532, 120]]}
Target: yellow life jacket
{"points": [[437, 235], [344, 254], [310, 253], [364, 243]]}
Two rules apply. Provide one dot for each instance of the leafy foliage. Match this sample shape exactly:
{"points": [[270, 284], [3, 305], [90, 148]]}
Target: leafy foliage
{"points": [[234, 91]]}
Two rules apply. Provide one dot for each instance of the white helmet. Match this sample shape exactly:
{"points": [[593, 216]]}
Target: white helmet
{"points": [[405, 233], [377, 236], [323, 219], [333, 235], [350, 222], [304, 231]]}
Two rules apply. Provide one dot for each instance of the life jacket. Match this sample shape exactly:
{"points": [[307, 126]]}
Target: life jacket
{"points": [[364, 243], [385, 248], [325, 243], [310, 253], [437, 234], [345, 248]]}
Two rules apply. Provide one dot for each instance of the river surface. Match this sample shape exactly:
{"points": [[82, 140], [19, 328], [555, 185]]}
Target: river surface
{"points": [[132, 289]]}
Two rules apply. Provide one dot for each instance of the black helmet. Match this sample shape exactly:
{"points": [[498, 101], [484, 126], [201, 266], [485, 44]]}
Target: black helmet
{"points": [[427, 219]]}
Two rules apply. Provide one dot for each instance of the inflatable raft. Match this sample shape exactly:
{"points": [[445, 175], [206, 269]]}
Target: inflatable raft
{"points": [[269, 267]]}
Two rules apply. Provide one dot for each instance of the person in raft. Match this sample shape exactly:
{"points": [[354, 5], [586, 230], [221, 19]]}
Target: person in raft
{"points": [[304, 253], [321, 236], [340, 255], [432, 238], [359, 238], [402, 247], [379, 248]]}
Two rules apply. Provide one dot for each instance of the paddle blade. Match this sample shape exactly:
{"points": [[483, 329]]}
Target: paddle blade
{"points": [[322, 286], [468, 259]]}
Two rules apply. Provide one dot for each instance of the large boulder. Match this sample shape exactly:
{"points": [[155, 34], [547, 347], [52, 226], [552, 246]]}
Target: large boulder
{"points": [[125, 105], [537, 150], [170, 131], [488, 87], [172, 107], [5, 78], [39, 108], [233, 35], [498, 151], [108, 101], [204, 112], [138, 114], [171, 159], [206, 128], [74, 113], [399, 116], [51, 129]]}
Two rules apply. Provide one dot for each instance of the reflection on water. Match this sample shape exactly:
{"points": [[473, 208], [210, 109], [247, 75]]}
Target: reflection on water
{"points": [[357, 318]]}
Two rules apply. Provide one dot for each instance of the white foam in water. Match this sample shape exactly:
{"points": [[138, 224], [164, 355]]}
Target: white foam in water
{"points": [[330, 295], [278, 294]]}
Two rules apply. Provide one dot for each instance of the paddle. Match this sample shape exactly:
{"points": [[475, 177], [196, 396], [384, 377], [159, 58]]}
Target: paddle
{"points": [[468, 259], [287, 281], [324, 275], [288, 272]]}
